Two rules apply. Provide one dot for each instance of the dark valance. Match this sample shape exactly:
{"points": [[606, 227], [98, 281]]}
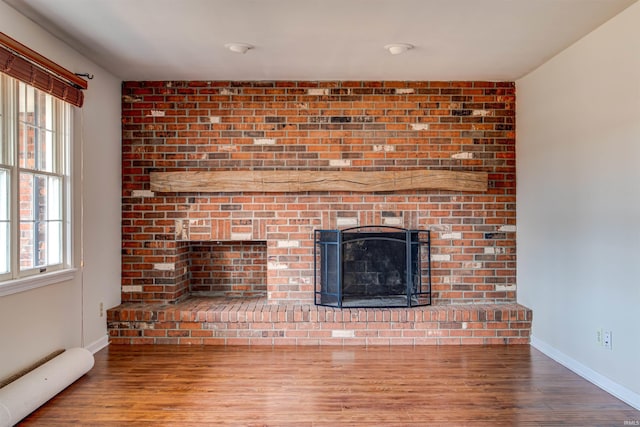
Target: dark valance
{"points": [[28, 66]]}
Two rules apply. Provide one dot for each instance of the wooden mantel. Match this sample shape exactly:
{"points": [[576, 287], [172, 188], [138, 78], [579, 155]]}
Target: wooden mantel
{"points": [[305, 180]]}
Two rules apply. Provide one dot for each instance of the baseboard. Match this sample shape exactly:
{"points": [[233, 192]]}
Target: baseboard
{"points": [[98, 344], [606, 384]]}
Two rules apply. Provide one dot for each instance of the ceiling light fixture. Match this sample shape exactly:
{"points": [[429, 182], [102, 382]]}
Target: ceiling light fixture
{"points": [[398, 48], [238, 47]]}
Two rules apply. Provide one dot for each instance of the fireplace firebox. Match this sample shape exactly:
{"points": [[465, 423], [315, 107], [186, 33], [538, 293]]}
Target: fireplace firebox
{"points": [[372, 266]]}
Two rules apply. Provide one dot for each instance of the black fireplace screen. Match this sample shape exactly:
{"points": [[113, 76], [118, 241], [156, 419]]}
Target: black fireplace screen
{"points": [[372, 266]]}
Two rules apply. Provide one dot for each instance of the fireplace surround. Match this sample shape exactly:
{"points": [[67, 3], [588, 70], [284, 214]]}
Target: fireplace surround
{"points": [[316, 132], [305, 133]]}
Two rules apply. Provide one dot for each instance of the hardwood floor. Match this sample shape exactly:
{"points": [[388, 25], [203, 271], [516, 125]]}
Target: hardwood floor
{"points": [[330, 386]]}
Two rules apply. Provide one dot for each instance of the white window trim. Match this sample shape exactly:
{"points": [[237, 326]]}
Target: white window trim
{"points": [[22, 284], [35, 278]]}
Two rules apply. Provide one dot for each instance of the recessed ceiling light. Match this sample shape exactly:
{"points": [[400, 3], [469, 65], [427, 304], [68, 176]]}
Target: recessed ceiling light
{"points": [[238, 47], [398, 48]]}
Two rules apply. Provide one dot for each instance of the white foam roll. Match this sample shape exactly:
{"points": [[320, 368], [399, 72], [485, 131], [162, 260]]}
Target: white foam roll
{"points": [[26, 394]]}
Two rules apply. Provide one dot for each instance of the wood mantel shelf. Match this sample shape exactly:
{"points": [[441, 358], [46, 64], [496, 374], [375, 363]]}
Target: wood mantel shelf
{"points": [[304, 180]]}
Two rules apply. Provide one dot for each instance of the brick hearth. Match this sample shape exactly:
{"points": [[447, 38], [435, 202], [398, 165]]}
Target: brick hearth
{"points": [[252, 321]]}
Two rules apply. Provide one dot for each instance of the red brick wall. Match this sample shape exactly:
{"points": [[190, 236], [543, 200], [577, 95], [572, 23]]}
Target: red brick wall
{"points": [[239, 126]]}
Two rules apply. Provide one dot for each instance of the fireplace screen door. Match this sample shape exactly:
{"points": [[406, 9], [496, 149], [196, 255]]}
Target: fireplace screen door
{"points": [[372, 266]]}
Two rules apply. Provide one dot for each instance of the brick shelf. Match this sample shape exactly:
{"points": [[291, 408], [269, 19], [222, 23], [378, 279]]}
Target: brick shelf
{"points": [[226, 321]]}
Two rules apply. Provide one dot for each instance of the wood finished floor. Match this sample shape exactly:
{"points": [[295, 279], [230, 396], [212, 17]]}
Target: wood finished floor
{"points": [[330, 386]]}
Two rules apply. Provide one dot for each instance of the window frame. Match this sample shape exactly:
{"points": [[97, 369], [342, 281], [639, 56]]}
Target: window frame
{"points": [[20, 279]]}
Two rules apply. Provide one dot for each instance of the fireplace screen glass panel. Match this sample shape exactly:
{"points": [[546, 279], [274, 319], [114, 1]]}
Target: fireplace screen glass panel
{"points": [[328, 259], [372, 267]]}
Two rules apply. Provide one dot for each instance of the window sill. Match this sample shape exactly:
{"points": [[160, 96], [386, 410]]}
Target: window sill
{"points": [[38, 281]]}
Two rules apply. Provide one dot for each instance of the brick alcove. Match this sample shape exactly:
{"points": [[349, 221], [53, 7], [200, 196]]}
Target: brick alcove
{"points": [[228, 269]]}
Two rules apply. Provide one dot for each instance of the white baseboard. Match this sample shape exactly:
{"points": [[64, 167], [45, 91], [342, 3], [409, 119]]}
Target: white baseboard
{"points": [[606, 384], [98, 344]]}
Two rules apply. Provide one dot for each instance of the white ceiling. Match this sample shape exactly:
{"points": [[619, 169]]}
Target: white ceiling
{"points": [[320, 39]]}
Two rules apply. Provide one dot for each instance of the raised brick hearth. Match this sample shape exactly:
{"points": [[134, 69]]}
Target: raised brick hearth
{"points": [[217, 321], [178, 245]]}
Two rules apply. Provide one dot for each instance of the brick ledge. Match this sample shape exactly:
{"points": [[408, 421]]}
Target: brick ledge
{"points": [[226, 321]]}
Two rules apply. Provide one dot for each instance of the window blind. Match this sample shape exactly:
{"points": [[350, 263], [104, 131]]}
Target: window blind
{"points": [[28, 66]]}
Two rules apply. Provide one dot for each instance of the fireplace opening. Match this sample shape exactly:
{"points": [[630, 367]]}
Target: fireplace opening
{"points": [[372, 266]]}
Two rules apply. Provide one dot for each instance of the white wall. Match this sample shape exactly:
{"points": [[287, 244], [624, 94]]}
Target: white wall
{"points": [[578, 163], [35, 323]]}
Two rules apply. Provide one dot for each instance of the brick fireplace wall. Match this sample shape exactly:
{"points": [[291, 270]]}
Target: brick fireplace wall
{"points": [[354, 125]]}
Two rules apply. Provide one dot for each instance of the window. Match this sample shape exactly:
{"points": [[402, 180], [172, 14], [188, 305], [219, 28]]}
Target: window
{"points": [[34, 181]]}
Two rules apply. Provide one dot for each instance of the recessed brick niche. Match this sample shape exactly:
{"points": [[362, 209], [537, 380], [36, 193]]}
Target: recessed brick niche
{"points": [[229, 269], [168, 238]]}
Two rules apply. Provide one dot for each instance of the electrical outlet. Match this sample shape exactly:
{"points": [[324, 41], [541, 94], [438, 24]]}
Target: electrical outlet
{"points": [[101, 310], [599, 337], [606, 339]]}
